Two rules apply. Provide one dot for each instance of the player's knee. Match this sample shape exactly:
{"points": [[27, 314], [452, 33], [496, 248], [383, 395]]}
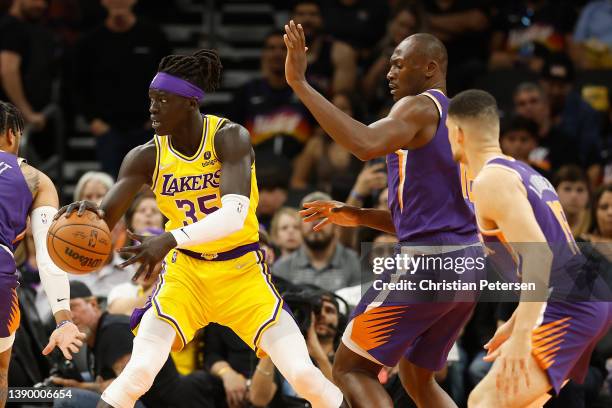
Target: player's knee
{"points": [[305, 379], [137, 379]]}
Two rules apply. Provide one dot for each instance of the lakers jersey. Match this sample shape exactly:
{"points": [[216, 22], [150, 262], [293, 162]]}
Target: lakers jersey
{"points": [[187, 189]]}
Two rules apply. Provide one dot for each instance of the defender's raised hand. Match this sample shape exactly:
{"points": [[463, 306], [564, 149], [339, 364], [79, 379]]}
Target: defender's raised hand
{"points": [[333, 212], [295, 63]]}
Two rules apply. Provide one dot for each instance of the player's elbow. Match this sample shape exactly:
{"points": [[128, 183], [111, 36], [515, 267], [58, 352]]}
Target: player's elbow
{"points": [[365, 154]]}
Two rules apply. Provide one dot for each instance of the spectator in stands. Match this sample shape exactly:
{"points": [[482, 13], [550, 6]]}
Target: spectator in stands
{"points": [[572, 187], [519, 139], [573, 115], [286, 231], [326, 165], [370, 182], [382, 246], [462, 26], [269, 389], [231, 361], [332, 64], [556, 148], [360, 23], [592, 42], [278, 122], [407, 19], [121, 54], [110, 340], [526, 31], [321, 260], [28, 52], [273, 192], [92, 186], [26, 59], [601, 217], [144, 214]]}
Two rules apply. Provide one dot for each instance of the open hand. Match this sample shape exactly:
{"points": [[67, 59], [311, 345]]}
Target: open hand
{"points": [[149, 251], [67, 338], [295, 63], [511, 361], [333, 212]]}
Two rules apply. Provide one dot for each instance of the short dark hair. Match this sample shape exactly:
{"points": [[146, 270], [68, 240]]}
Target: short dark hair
{"points": [[10, 118], [570, 173], [275, 32], [202, 68], [473, 103], [517, 123]]}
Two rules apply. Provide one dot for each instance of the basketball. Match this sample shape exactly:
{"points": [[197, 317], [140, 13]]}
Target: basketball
{"points": [[79, 245]]}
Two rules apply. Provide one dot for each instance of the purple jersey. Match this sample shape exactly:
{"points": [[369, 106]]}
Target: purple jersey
{"points": [[426, 197], [15, 201], [551, 219]]}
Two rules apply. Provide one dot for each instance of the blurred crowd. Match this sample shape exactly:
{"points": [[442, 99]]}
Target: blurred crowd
{"points": [[548, 62]]}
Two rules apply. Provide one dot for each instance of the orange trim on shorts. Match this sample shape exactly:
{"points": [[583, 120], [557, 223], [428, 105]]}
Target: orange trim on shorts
{"points": [[374, 327], [15, 316], [546, 341]]}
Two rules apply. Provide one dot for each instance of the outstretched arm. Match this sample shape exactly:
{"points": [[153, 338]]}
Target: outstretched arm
{"points": [[387, 135], [54, 280], [338, 213]]}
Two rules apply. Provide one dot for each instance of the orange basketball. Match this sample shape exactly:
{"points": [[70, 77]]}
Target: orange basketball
{"points": [[79, 244]]}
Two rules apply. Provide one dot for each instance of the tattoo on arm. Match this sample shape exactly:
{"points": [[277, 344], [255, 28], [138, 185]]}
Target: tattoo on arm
{"points": [[32, 178]]}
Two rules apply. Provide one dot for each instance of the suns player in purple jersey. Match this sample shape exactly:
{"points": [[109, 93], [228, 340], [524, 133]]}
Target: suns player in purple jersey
{"points": [[426, 205], [547, 340], [25, 191]]}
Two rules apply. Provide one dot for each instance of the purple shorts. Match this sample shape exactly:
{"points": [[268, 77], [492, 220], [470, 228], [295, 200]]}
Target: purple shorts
{"points": [[9, 305], [421, 326], [564, 341]]}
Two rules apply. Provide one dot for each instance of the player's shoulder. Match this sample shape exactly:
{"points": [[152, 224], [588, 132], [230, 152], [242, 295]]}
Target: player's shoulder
{"points": [[35, 179], [418, 108], [143, 152], [495, 183]]}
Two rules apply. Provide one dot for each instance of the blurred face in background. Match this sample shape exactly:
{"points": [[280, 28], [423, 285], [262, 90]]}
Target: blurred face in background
{"points": [[94, 190], [289, 233], [604, 215], [574, 196], [531, 104], [147, 215], [557, 91], [403, 25], [309, 16], [273, 56], [85, 313], [32, 9], [317, 240], [518, 144], [326, 322]]}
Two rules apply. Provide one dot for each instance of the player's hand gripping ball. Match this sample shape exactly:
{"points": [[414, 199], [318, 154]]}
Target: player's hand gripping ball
{"points": [[79, 244]]}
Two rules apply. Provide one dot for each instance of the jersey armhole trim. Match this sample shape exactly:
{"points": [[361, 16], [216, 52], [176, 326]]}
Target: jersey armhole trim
{"points": [[157, 161], [214, 134]]}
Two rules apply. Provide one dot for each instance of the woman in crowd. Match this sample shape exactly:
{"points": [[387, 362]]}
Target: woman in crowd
{"points": [[572, 185], [286, 231]]}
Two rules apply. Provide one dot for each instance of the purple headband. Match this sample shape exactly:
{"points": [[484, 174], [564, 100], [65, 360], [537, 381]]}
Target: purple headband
{"points": [[177, 86]]}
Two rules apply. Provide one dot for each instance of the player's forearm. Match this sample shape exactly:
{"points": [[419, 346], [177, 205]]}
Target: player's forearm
{"points": [[537, 262], [377, 219], [53, 279], [346, 131]]}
